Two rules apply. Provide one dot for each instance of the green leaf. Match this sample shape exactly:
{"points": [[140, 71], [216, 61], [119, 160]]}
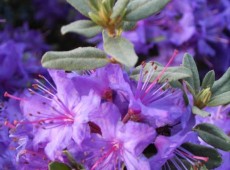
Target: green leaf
{"points": [[190, 89], [58, 166], [120, 49], [222, 85], [208, 80], [194, 80], [220, 99], [203, 168], [83, 27], [171, 73], [197, 111], [94, 4], [118, 8], [81, 5], [214, 158], [213, 136], [140, 9], [127, 26], [78, 59]]}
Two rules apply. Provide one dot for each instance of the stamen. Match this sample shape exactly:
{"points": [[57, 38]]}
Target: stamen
{"points": [[51, 85], [162, 72], [189, 156], [9, 125], [6, 94], [44, 121], [55, 97], [104, 157], [139, 84]]}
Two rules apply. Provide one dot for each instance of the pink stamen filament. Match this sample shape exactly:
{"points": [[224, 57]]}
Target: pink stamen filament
{"points": [[194, 157], [162, 72], [6, 94], [64, 119], [9, 125], [113, 149]]}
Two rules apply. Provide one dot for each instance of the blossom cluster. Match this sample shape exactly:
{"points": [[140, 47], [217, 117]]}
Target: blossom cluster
{"points": [[104, 119], [93, 109]]}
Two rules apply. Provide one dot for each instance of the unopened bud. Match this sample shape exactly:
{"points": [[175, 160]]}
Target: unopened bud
{"points": [[203, 98]]}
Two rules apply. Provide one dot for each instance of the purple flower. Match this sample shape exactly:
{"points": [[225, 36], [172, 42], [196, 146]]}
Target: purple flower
{"points": [[19, 58], [103, 80], [118, 143], [35, 46], [25, 154], [152, 102], [169, 147], [61, 111], [12, 74], [110, 82], [7, 158], [9, 115]]}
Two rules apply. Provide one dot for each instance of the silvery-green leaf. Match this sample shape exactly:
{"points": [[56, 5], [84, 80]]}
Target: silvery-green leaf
{"points": [[197, 111], [213, 136], [94, 4], [221, 99], [128, 25], [118, 8], [81, 5], [208, 79], [190, 89], [83, 27], [222, 85], [120, 49], [86, 58], [140, 9], [58, 166], [194, 80]]}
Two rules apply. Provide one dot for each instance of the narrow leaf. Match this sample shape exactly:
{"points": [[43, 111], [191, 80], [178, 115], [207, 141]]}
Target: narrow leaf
{"points": [[220, 99], [194, 80], [120, 49], [214, 158], [81, 5], [58, 166], [140, 9], [118, 8], [78, 59], [222, 85], [190, 89], [197, 111], [208, 80], [83, 27], [213, 136]]}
